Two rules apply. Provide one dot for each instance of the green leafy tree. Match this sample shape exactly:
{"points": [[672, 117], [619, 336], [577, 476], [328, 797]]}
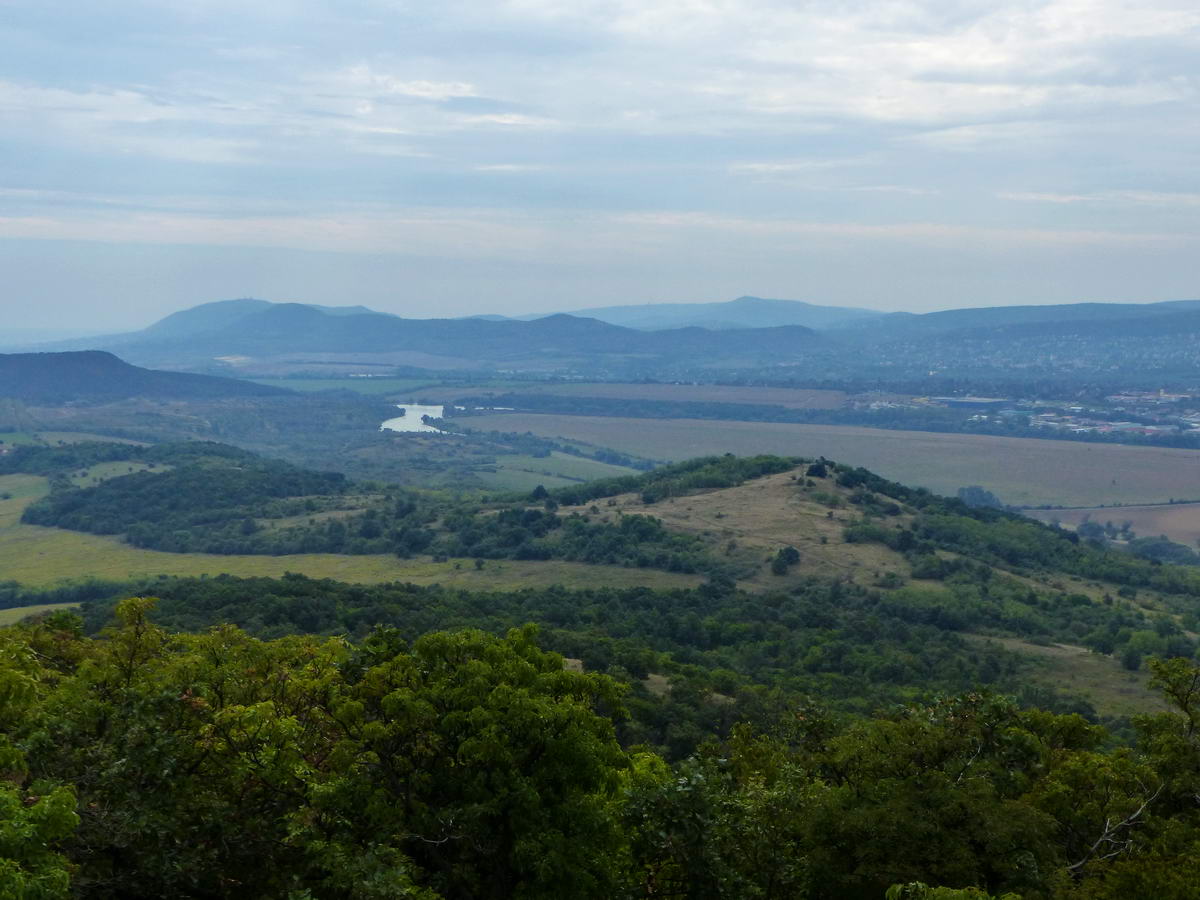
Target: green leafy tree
{"points": [[35, 816]]}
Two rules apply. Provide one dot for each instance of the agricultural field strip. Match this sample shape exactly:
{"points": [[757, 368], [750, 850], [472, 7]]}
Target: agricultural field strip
{"points": [[1023, 472], [1179, 521]]}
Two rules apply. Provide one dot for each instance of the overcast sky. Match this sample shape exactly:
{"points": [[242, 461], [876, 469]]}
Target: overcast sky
{"points": [[450, 158]]}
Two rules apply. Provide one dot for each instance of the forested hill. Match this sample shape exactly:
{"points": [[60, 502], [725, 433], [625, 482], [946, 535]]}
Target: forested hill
{"points": [[95, 375], [833, 542]]}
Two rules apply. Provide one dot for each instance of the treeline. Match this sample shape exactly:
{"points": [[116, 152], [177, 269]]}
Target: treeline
{"points": [[151, 508], [145, 764], [209, 498], [678, 479], [38, 459], [13, 594]]}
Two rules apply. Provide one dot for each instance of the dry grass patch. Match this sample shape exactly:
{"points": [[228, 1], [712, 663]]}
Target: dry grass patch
{"points": [[749, 523]]}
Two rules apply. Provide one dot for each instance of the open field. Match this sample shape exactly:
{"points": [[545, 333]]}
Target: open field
{"points": [[17, 438], [1101, 680], [518, 480], [41, 557], [792, 398], [564, 465], [1021, 472], [16, 492], [1178, 521], [17, 613], [99, 472], [55, 437], [521, 472]]}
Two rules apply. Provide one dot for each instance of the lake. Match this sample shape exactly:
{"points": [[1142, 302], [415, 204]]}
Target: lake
{"points": [[410, 418]]}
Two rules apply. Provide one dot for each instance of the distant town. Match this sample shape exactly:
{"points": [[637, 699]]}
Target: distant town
{"points": [[1148, 413]]}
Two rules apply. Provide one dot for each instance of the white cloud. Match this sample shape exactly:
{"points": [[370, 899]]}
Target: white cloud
{"points": [[508, 167], [750, 114], [566, 236], [792, 166], [1163, 199], [366, 81]]}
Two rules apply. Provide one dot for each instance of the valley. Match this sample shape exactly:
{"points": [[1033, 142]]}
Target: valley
{"points": [[742, 569], [738, 450]]}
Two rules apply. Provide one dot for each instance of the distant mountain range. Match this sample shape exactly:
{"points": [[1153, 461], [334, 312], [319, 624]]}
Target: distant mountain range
{"points": [[748, 335], [93, 375], [744, 312], [256, 329], [1001, 320]]}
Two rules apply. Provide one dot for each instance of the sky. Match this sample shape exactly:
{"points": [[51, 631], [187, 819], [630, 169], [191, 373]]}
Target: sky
{"points": [[453, 158]]}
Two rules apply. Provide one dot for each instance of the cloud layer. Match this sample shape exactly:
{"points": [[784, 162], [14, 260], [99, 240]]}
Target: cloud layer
{"points": [[691, 148]]}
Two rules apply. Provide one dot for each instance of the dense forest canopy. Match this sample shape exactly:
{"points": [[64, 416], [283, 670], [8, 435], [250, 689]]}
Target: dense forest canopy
{"points": [[146, 764]]}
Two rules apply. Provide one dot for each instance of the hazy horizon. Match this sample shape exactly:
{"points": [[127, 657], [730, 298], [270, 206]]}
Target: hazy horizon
{"points": [[21, 338], [540, 156]]}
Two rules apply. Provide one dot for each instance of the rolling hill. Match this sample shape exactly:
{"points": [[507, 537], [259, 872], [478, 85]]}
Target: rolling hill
{"points": [[95, 375], [748, 338], [855, 545], [744, 312], [1015, 321], [256, 330]]}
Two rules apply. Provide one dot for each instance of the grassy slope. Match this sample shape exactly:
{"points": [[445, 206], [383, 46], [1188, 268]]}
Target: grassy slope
{"points": [[1110, 688], [1020, 471], [761, 516]]}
